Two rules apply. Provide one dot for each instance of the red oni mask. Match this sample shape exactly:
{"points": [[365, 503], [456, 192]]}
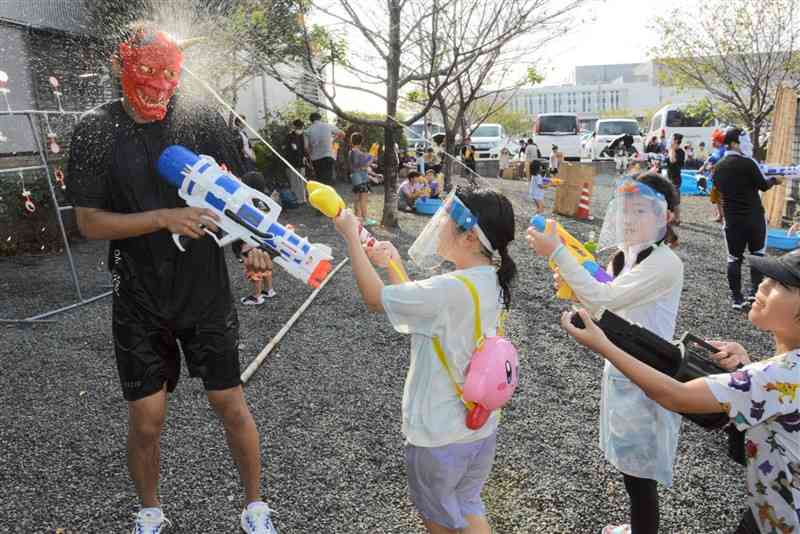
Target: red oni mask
{"points": [[151, 69]]}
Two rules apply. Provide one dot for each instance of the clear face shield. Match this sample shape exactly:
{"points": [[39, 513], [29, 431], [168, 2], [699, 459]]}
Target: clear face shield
{"points": [[449, 222], [637, 215]]}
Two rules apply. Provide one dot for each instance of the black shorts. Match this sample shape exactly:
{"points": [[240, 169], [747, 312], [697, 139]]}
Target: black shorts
{"points": [[148, 355], [325, 170], [745, 233], [361, 188]]}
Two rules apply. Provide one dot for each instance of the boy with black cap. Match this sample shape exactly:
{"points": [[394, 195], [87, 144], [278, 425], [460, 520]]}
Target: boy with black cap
{"points": [[739, 180], [760, 398]]}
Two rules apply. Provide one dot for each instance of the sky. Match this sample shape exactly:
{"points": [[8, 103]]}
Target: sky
{"points": [[612, 31]]}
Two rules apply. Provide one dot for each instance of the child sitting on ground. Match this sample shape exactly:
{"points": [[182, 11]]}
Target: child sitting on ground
{"points": [[536, 187], [432, 185], [409, 191], [760, 398]]}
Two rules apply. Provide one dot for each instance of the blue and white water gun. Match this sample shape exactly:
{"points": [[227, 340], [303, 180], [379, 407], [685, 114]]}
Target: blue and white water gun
{"points": [[244, 213], [787, 171]]}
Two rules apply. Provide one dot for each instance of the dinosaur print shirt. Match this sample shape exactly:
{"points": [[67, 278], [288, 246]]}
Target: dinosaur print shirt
{"points": [[762, 399]]}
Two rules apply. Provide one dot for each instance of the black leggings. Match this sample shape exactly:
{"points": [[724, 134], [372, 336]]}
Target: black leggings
{"points": [[643, 494], [744, 233]]}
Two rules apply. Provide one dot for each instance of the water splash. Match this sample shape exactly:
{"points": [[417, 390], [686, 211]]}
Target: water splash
{"points": [[252, 130]]}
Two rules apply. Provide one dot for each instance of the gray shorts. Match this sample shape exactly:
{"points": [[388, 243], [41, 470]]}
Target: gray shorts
{"points": [[445, 483]]}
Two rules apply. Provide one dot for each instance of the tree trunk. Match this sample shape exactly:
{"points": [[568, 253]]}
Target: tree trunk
{"points": [[450, 148], [389, 219]]}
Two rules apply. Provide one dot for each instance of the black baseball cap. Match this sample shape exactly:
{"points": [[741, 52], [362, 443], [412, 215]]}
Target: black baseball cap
{"points": [[784, 269], [732, 135]]}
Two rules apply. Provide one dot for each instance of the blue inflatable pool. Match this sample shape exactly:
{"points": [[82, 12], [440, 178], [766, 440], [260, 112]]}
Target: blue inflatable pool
{"points": [[779, 238], [427, 206], [689, 184]]}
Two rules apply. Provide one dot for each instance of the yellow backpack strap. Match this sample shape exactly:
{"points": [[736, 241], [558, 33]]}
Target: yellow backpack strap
{"points": [[477, 333], [501, 323], [437, 347]]}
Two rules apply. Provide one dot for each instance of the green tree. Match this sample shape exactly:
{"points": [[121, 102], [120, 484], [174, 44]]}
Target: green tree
{"points": [[403, 45], [739, 51]]}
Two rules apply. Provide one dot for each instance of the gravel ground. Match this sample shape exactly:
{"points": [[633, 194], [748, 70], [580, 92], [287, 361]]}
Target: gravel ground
{"points": [[327, 404]]}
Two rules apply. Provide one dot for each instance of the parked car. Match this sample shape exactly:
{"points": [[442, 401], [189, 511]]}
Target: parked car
{"points": [[608, 130], [672, 119], [484, 138], [559, 129]]}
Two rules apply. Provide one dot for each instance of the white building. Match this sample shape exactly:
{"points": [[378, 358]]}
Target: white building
{"points": [[603, 88], [263, 94]]}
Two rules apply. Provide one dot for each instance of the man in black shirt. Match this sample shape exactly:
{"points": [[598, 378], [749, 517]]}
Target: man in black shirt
{"points": [[163, 298], [676, 160], [739, 180], [295, 153]]}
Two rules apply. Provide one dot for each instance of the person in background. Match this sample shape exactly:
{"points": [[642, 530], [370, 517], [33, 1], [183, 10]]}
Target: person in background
{"points": [[532, 153], [739, 181], [431, 161], [521, 152], [359, 177], [504, 161], [555, 160], [243, 143], [240, 251], [536, 186], [319, 138], [409, 191], [662, 143], [468, 156], [718, 144], [652, 146], [702, 153], [675, 162], [295, 153]]}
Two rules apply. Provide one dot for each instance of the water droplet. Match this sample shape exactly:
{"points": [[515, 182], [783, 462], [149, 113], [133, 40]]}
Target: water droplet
{"points": [[43, 229], [42, 248], [8, 239]]}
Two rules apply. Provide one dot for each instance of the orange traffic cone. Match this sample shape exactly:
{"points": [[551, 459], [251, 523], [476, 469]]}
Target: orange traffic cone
{"points": [[583, 206]]}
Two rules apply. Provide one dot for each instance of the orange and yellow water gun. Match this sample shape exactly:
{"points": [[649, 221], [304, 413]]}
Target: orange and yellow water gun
{"points": [[325, 198], [578, 251]]}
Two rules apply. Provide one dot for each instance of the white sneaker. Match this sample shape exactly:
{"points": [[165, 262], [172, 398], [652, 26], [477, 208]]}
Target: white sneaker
{"points": [[616, 529], [256, 519], [269, 294], [150, 521], [252, 300]]}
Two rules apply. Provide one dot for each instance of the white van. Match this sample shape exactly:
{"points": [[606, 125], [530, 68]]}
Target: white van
{"points": [[485, 138], [560, 129], [671, 119], [607, 130]]}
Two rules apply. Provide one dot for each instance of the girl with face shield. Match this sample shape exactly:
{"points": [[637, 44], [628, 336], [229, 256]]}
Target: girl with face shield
{"points": [[638, 436], [447, 461]]}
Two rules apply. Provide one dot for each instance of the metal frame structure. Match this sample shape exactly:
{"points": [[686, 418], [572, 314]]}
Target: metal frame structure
{"points": [[45, 166]]}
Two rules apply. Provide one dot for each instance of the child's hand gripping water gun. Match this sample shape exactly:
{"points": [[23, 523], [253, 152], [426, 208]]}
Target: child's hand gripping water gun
{"points": [[578, 251], [327, 200], [202, 183]]}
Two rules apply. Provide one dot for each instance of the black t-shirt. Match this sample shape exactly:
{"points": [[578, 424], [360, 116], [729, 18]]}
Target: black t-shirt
{"points": [[674, 169], [295, 149], [739, 180], [112, 166]]}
